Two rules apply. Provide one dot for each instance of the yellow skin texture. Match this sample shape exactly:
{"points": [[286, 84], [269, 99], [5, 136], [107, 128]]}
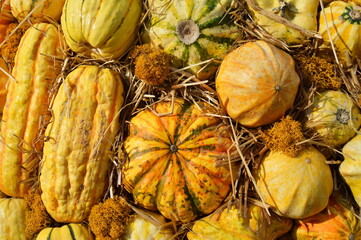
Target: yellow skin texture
{"points": [[346, 36], [305, 16], [350, 168], [162, 32], [62, 233], [323, 118], [26, 105], [231, 225], [306, 182], [12, 219], [140, 229], [101, 28], [181, 184], [49, 8], [247, 80], [76, 157], [335, 222], [3, 81]]}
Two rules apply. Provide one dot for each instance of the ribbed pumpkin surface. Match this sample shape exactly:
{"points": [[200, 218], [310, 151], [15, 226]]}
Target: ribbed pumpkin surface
{"points": [[101, 28], [334, 223], [234, 224], [12, 219], [49, 8], [67, 232], [192, 31], [344, 26], [257, 83], [76, 156], [172, 160], [27, 105]]}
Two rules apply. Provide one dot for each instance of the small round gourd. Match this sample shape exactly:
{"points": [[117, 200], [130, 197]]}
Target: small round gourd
{"points": [[334, 116], [295, 187], [72, 231], [257, 83]]}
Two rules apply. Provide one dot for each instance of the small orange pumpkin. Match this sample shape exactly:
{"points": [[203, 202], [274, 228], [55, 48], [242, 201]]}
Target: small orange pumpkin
{"points": [[257, 83]]}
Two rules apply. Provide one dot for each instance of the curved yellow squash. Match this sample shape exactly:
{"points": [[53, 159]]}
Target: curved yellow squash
{"points": [[101, 29], [48, 9], [77, 154], [27, 104], [173, 152], [12, 219]]}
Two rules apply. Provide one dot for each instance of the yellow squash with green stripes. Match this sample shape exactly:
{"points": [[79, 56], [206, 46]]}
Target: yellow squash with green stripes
{"points": [[76, 157], [71, 231], [192, 32], [178, 160], [101, 29], [12, 219], [26, 109]]}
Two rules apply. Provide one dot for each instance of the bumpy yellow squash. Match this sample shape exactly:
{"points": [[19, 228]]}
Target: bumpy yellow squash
{"points": [[80, 136], [27, 103], [173, 151], [12, 219], [101, 29]]}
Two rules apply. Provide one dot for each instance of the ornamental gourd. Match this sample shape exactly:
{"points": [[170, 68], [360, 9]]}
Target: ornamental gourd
{"points": [[340, 22], [27, 105], [174, 164], [334, 117], [232, 224], [295, 187], [192, 32], [80, 136], [3, 82], [335, 222], [40, 10], [300, 12], [257, 83], [101, 29], [12, 219], [71, 231], [350, 168]]}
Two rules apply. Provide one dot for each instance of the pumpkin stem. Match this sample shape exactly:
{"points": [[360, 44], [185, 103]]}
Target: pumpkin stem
{"points": [[173, 148], [342, 116], [188, 31], [277, 88], [355, 14]]}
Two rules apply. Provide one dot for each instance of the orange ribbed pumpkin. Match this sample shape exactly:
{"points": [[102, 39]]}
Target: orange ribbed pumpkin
{"points": [[257, 83]]}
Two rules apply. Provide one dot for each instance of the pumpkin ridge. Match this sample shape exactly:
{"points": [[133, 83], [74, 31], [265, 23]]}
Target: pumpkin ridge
{"points": [[211, 38]]}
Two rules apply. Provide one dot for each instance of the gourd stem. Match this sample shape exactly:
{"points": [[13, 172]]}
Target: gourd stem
{"points": [[188, 31], [355, 14]]}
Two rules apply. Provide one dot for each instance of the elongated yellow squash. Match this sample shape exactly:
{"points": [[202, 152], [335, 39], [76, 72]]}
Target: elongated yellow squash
{"points": [[26, 107], [76, 157], [101, 29]]}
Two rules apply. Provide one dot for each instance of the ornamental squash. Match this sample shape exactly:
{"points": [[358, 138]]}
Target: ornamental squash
{"points": [[40, 10], [140, 228], [174, 160], [342, 26], [192, 32], [295, 187], [232, 224], [334, 116], [5, 13], [257, 83], [300, 12], [101, 29], [76, 155], [71, 231], [350, 168], [27, 103], [3, 82], [335, 222], [12, 219]]}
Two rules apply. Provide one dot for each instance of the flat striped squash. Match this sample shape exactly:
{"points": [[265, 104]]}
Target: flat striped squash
{"points": [[342, 22], [173, 166], [192, 31], [12, 219], [71, 231], [101, 29], [27, 103], [76, 158]]}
